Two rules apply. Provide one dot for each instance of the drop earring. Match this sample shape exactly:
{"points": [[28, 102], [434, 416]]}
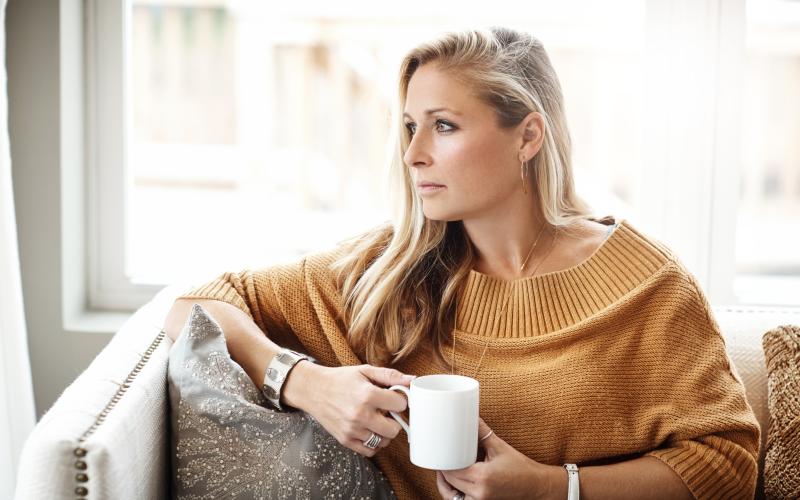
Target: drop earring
{"points": [[523, 170]]}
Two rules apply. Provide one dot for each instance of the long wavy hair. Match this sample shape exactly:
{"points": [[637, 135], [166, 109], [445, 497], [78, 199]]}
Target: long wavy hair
{"points": [[400, 281]]}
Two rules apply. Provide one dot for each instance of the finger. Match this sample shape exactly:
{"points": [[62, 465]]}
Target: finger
{"points": [[483, 427], [383, 425], [358, 446], [386, 400], [487, 438], [445, 489], [386, 376], [466, 474], [383, 443], [457, 483]]}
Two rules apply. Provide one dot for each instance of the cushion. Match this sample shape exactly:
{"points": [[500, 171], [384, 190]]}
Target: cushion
{"points": [[782, 459], [228, 443]]}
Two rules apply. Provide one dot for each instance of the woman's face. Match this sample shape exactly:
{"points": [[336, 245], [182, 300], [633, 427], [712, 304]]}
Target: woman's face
{"points": [[457, 143]]}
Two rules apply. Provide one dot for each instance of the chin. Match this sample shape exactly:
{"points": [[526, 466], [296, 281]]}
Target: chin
{"points": [[442, 216]]}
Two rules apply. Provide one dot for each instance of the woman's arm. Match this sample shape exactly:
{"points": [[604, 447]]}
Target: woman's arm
{"points": [[347, 401], [639, 478], [507, 473], [246, 343]]}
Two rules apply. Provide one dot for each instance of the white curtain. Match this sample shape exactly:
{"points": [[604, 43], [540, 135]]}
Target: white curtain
{"points": [[17, 415]]}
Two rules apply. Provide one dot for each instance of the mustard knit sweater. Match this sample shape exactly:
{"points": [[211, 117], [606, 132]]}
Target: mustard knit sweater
{"points": [[617, 357]]}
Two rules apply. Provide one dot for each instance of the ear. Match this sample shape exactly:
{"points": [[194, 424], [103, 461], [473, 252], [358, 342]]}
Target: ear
{"points": [[532, 130]]}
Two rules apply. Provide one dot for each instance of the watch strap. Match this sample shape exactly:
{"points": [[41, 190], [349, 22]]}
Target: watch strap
{"points": [[573, 484]]}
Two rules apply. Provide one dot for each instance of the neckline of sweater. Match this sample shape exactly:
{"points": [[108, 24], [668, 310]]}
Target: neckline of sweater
{"points": [[554, 301], [615, 223]]}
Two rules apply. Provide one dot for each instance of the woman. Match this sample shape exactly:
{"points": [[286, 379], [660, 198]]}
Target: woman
{"points": [[593, 345]]}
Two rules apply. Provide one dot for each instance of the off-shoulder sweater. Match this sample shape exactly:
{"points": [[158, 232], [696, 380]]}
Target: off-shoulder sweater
{"points": [[614, 358]]}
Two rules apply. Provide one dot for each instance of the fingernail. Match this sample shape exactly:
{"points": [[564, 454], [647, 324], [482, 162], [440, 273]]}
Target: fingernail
{"points": [[410, 377]]}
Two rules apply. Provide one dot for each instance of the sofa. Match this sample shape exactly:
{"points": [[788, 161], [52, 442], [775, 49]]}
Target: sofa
{"points": [[107, 435]]}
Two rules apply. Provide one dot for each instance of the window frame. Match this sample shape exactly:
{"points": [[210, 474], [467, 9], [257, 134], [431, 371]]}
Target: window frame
{"points": [[108, 120]]}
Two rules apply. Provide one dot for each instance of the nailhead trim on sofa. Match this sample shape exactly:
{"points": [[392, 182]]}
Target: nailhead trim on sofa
{"points": [[81, 476]]}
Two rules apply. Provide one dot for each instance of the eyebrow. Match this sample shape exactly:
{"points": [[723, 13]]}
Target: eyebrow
{"points": [[435, 110]]}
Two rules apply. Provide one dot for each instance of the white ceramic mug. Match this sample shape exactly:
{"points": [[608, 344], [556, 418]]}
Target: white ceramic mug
{"points": [[443, 421]]}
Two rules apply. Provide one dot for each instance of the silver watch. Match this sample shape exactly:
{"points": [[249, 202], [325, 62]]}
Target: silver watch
{"points": [[276, 374], [573, 485]]}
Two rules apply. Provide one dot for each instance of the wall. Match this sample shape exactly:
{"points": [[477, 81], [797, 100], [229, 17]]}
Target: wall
{"points": [[43, 140]]}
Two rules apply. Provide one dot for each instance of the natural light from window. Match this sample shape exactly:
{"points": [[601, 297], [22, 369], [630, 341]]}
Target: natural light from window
{"points": [[258, 132]]}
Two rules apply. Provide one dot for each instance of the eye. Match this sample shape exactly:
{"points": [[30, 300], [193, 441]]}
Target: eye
{"points": [[443, 123], [411, 127]]}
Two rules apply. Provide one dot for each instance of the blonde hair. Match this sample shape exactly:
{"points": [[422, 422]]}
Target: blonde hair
{"points": [[400, 282]]}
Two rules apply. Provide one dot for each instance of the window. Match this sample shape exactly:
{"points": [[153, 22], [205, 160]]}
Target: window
{"points": [[232, 134], [768, 224]]}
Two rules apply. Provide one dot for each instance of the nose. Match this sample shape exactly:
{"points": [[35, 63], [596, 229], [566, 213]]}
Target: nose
{"points": [[417, 153]]}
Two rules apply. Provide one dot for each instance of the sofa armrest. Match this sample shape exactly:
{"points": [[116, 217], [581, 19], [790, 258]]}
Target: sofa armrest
{"points": [[107, 435]]}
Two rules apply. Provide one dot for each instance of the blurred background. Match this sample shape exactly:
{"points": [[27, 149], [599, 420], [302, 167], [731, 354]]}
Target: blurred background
{"points": [[240, 110]]}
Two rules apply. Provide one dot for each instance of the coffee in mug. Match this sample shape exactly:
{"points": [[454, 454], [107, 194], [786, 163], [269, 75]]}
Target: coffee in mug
{"points": [[443, 421]]}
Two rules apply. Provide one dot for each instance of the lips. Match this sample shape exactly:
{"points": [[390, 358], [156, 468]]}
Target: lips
{"points": [[428, 184]]}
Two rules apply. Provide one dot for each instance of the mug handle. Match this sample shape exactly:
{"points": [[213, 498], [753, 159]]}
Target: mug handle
{"points": [[396, 416]]}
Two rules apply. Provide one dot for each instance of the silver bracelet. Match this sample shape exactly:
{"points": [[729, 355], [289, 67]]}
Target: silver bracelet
{"points": [[573, 485], [276, 373]]}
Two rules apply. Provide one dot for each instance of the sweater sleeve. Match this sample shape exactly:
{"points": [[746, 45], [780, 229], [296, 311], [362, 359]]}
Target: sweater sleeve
{"points": [[713, 447], [263, 294], [714, 466]]}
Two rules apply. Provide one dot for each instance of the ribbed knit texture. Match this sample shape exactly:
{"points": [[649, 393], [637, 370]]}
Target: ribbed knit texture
{"points": [[614, 358]]}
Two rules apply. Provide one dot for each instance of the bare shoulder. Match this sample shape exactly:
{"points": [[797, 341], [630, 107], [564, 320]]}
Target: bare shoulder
{"points": [[595, 230], [576, 245], [584, 234]]}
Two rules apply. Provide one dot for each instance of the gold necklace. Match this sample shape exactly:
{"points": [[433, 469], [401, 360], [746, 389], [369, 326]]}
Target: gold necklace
{"points": [[505, 302]]}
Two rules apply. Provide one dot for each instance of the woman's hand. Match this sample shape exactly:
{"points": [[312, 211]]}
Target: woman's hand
{"points": [[350, 402], [505, 473]]}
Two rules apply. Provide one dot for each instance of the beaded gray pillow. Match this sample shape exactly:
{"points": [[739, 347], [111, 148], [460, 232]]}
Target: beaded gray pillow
{"points": [[228, 443]]}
